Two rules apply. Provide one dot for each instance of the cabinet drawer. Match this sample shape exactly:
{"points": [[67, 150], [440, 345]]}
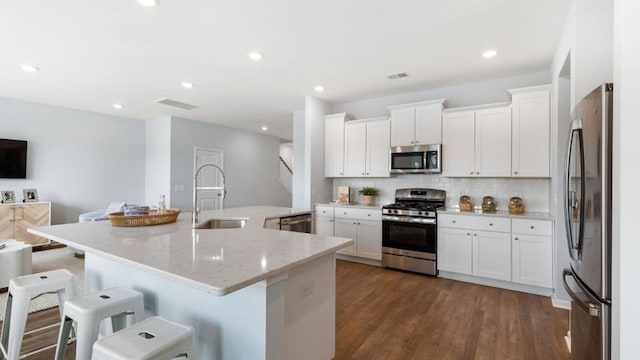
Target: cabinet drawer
{"points": [[532, 227], [486, 223], [456, 221], [360, 214], [326, 211]]}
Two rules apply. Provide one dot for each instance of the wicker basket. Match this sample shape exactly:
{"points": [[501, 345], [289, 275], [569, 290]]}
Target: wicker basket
{"points": [[118, 219]]}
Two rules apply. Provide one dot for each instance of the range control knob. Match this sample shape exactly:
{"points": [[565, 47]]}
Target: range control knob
{"points": [[395, 211], [419, 212]]}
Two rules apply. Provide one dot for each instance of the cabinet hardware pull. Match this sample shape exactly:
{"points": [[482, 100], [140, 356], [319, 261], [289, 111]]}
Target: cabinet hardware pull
{"points": [[362, 173], [471, 173], [478, 173], [516, 238], [468, 234], [475, 234], [368, 214], [490, 224], [453, 221], [515, 172], [532, 227]]}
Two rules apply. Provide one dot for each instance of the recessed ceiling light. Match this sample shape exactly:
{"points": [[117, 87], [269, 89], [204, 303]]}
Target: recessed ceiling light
{"points": [[255, 56], [29, 68], [489, 54], [117, 106], [264, 128], [319, 88], [148, 3], [186, 85]]}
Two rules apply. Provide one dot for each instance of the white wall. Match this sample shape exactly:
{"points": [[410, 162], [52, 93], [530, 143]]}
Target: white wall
{"points": [[320, 187], [251, 164], [626, 192], [158, 160], [473, 93], [592, 48], [309, 184], [299, 177], [78, 160], [562, 104]]}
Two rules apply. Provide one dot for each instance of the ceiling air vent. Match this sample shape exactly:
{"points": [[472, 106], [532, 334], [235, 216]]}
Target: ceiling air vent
{"points": [[174, 103], [397, 76]]}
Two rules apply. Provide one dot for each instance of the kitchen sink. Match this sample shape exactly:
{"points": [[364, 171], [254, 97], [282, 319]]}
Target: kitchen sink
{"points": [[222, 224]]}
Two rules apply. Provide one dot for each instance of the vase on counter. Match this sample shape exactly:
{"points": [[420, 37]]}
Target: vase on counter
{"points": [[368, 195], [368, 199]]}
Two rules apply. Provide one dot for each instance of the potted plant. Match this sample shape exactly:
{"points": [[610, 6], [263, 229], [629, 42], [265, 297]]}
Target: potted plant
{"points": [[368, 194]]}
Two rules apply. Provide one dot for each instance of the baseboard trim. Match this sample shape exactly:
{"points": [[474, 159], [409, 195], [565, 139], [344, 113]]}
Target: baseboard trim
{"points": [[497, 283], [559, 303]]}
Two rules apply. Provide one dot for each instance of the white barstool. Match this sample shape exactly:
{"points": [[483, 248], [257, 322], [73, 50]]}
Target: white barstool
{"points": [[21, 290], [87, 311], [154, 338]]}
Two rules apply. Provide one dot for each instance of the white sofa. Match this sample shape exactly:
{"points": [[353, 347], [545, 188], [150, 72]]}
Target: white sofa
{"points": [[102, 214]]}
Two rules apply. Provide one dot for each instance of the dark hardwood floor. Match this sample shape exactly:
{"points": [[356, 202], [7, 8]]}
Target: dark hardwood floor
{"points": [[388, 314]]}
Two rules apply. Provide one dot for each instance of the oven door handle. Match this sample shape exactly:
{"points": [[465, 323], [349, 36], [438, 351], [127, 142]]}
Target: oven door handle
{"points": [[409, 219]]}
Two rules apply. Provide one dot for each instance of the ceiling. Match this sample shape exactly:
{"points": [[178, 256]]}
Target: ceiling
{"points": [[92, 54]]}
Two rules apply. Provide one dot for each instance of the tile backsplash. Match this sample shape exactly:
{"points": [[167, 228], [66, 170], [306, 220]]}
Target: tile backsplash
{"points": [[534, 192]]}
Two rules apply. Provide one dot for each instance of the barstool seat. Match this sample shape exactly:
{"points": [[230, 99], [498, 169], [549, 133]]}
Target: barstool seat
{"points": [[21, 290], [87, 311], [154, 338]]}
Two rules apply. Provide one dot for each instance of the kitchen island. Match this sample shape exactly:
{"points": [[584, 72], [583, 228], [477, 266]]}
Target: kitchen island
{"points": [[250, 292]]}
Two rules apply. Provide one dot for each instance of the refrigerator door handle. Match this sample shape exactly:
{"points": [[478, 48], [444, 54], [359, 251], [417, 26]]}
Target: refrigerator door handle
{"points": [[591, 307], [572, 202]]}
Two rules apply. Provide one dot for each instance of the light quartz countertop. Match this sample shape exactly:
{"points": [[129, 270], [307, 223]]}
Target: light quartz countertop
{"points": [[499, 213], [216, 261]]}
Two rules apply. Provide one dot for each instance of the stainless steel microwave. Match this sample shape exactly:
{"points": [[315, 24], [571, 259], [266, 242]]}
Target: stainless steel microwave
{"points": [[416, 159]]}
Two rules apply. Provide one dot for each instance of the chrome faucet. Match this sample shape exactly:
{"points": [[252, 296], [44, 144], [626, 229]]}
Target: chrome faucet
{"points": [[196, 188]]}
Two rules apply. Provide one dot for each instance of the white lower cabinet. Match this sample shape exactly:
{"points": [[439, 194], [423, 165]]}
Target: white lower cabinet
{"points": [[455, 250], [532, 246], [364, 226], [324, 220], [492, 255], [466, 246], [514, 250]]}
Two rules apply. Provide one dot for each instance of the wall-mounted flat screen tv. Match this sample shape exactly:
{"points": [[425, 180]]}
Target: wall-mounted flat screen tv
{"points": [[13, 159]]}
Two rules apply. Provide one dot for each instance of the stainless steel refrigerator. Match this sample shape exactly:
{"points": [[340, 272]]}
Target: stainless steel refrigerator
{"points": [[588, 223]]}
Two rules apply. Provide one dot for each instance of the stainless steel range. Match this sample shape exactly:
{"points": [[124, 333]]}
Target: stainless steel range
{"points": [[409, 230]]}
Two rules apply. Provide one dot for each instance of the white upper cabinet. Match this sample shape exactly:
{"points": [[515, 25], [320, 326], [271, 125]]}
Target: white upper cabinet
{"points": [[477, 142], [367, 148], [493, 142], [458, 143], [334, 144], [417, 123], [531, 131]]}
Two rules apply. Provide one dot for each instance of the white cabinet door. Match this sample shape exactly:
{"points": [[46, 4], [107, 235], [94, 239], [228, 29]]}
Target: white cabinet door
{"points": [[458, 143], [377, 157], [428, 125], [402, 127], [530, 134], [324, 225], [334, 145], [532, 260], [369, 239], [492, 255], [455, 249], [493, 142], [355, 149], [347, 228]]}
